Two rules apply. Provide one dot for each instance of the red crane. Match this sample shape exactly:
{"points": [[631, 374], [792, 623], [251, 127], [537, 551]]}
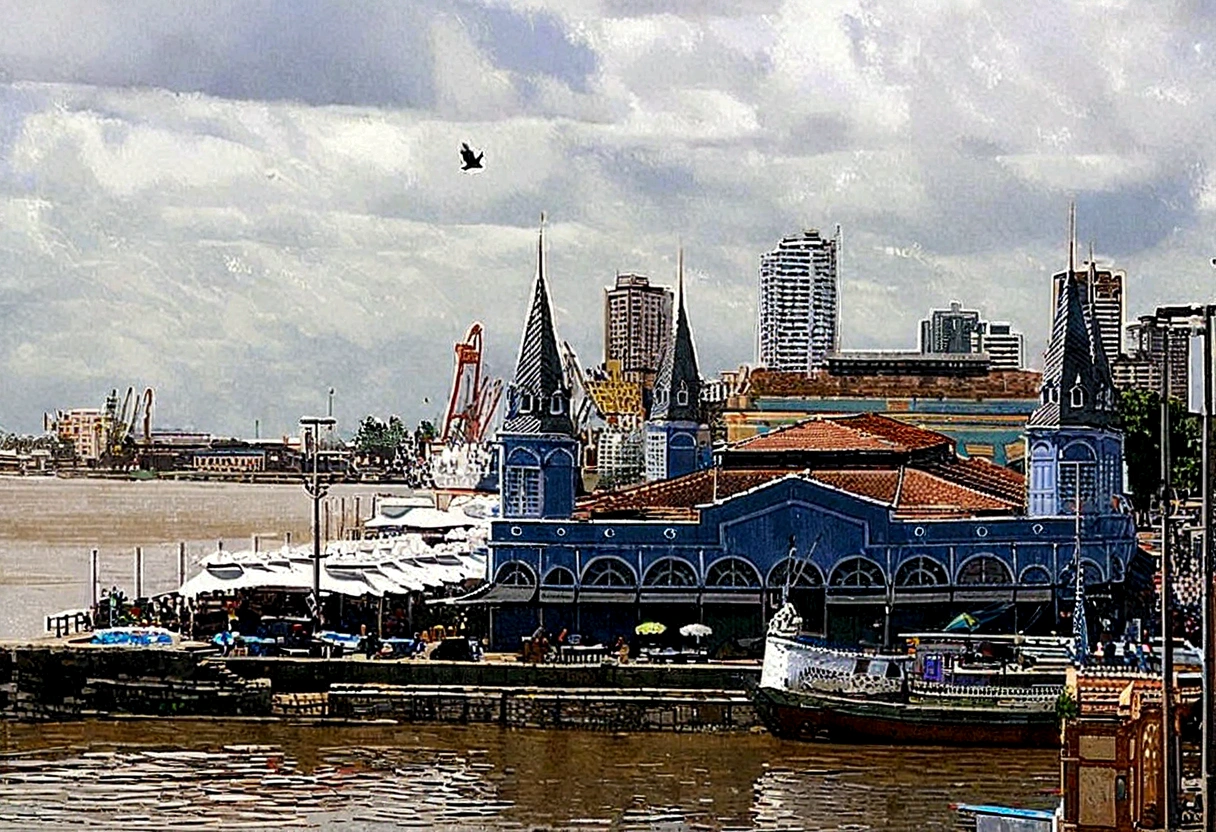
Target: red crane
{"points": [[474, 399]]}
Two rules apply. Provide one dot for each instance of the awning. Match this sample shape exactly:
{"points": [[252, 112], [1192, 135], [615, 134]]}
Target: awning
{"points": [[494, 594]]}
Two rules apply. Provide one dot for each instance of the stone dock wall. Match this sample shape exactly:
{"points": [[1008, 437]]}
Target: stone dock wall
{"points": [[58, 683], [62, 682], [603, 709], [291, 675]]}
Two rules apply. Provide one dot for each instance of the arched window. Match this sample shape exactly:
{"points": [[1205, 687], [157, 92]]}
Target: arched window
{"points": [[682, 395], [522, 489], [1036, 576], [515, 573], [921, 571], [557, 404], [558, 576], [1093, 574], [670, 572], [608, 571], [733, 572], [860, 572], [803, 573], [984, 570], [1078, 396], [525, 403]]}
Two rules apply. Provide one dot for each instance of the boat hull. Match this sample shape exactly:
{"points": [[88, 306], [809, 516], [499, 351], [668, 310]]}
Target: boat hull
{"points": [[851, 720]]}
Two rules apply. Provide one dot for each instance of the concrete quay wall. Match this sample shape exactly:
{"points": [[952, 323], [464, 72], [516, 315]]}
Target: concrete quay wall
{"points": [[66, 682], [299, 675], [631, 709]]}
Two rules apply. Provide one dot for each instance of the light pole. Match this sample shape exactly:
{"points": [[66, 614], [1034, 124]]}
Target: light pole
{"points": [[316, 489]]}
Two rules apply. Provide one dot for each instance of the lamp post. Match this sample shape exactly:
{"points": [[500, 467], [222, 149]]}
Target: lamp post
{"points": [[316, 490]]}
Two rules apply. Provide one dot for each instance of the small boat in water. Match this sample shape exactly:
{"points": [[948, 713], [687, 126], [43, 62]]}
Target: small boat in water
{"points": [[808, 690]]}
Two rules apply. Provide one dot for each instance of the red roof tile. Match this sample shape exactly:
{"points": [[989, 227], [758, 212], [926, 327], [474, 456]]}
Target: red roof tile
{"points": [[862, 432], [699, 488], [881, 484], [985, 476], [923, 493]]}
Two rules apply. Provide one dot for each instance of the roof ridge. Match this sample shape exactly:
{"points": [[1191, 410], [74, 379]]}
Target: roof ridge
{"points": [[967, 488]]}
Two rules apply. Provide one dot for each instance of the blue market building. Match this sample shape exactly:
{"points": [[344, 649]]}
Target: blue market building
{"points": [[871, 525]]}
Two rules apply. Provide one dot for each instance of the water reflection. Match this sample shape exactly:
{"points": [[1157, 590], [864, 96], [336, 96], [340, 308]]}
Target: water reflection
{"points": [[150, 774]]}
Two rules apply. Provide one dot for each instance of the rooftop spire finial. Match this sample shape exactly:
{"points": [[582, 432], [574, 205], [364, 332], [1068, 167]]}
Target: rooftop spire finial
{"points": [[1072, 237]]}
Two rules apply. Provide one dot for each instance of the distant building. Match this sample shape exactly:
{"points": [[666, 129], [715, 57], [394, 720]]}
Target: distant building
{"points": [[957, 331], [984, 415], [617, 399], [1006, 349], [798, 311], [900, 363], [620, 456], [87, 429], [1103, 288], [230, 461], [953, 330], [637, 318], [1141, 366]]}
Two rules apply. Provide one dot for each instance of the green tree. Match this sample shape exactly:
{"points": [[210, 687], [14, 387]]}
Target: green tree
{"points": [[1140, 414]]}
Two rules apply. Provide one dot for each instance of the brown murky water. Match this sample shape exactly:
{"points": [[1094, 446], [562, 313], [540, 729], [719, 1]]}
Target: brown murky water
{"points": [[207, 775], [158, 774], [48, 526]]}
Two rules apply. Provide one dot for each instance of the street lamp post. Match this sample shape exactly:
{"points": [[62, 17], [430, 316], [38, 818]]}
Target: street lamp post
{"points": [[316, 490]]}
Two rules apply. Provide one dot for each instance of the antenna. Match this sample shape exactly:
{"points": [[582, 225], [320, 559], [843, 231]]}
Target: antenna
{"points": [[1072, 237]]}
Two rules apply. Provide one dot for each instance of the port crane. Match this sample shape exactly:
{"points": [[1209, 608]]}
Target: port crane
{"points": [[474, 397]]}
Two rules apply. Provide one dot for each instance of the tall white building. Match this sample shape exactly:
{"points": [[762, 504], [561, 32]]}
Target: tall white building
{"points": [[1103, 287], [799, 312]]}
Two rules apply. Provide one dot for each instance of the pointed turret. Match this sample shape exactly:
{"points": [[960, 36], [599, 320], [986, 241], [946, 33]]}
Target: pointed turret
{"points": [[676, 441], [1077, 388], [540, 453], [677, 389], [1075, 452], [538, 399]]}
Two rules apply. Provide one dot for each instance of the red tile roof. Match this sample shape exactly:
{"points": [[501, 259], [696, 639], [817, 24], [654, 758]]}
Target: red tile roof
{"points": [[943, 490], [699, 488], [924, 494], [862, 432]]}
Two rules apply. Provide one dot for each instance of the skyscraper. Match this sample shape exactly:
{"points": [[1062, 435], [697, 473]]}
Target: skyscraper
{"points": [[953, 330], [637, 319], [798, 310]]}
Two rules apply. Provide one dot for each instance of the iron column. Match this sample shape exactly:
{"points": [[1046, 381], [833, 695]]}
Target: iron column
{"points": [[316, 489]]}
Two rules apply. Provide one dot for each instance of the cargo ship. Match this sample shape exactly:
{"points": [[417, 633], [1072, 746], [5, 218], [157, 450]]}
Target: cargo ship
{"points": [[808, 691]]}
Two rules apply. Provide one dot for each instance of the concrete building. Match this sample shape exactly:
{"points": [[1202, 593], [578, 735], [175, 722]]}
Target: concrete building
{"points": [[986, 415], [903, 363], [620, 456], [1005, 348], [1148, 339], [637, 318], [953, 330], [799, 323], [958, 331], [87, 429]]}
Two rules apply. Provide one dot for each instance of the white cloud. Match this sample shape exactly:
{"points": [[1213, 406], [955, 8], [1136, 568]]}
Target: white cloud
{"points": [[243, 228]]}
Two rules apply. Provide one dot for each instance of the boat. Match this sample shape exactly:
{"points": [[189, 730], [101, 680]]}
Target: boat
{"points": [[807, 691]]}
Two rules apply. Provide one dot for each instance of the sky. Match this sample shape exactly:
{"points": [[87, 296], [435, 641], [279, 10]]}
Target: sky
{"points": [[244, 204]]}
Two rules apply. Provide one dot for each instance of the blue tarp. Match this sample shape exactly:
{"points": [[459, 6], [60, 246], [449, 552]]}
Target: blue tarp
{"points": [[134, 636]]}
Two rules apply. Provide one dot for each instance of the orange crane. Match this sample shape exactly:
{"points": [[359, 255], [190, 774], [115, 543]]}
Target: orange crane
{"points": [[474, 398]]}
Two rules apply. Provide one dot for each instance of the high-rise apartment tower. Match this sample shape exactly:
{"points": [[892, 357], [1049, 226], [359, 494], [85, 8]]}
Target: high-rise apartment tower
{"points": [[799, 320], [637, 320]]}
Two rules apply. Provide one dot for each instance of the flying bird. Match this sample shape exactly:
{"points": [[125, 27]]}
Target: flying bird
{"points": [[468, 160]]}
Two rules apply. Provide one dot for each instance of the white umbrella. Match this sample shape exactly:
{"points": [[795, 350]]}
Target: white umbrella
{"points": [[697, 631]]}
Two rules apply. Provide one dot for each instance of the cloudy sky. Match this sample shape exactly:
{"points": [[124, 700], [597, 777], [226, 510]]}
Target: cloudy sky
{"points": [[242, 204]]}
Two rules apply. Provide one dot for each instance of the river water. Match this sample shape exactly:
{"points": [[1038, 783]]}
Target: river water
{"points": [[198, 774]]}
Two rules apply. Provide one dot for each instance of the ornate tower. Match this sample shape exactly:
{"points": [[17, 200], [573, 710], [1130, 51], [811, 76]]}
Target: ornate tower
{"points": [[1075, 451], [677, 443], [539, 448]]}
